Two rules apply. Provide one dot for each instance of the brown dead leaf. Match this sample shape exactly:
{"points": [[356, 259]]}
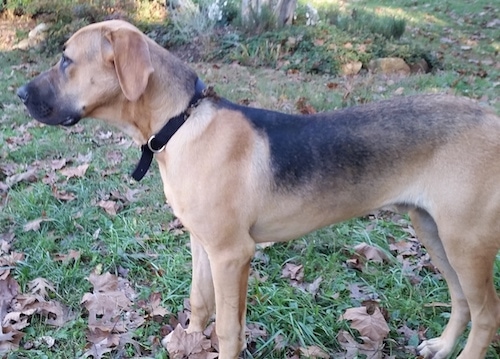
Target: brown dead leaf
{"points": [[111, 207], [72, 255], [176, 227], [304, 107], [55, 313], [4, 247], [78, 171], [181, 345], [34, 225], [8, 291], [314, 351], [7, 263], [27, 176], [371, 253], [40, 286], [63, 195], [354, 349], [155, 307], [110, 304], [255, 331], [404, 248], [293, 271], [332, 85], [372, 326], [9, 339], [98, 336], [131, 193], [8, 236], [114, 157], [13, 143], [58, 164], [98, 350]]}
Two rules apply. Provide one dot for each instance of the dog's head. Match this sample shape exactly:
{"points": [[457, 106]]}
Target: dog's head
{"points": [[102, 63]]}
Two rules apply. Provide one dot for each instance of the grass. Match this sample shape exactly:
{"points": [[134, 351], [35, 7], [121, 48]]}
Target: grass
{"points": [[137, 241]]}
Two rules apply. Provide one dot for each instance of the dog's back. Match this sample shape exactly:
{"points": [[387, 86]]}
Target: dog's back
{"points": [[352, 142]]}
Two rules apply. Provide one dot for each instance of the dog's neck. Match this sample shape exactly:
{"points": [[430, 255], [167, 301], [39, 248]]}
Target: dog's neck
{"points": [[157, 142]]}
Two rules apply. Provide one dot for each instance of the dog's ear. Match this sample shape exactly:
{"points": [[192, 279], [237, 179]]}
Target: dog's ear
{"points": [[132, 61]]}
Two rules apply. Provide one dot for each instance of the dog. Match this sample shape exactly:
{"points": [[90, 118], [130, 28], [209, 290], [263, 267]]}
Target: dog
{"points": [[237, 176]]}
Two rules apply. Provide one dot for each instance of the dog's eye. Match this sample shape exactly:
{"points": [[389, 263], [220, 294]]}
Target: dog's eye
{"points": [[65, 62]]}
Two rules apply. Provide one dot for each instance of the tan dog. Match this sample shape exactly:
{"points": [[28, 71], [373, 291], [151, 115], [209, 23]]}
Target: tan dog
{"points": [[237, 176]]}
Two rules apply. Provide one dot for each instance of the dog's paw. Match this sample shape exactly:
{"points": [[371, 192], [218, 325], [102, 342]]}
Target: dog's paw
{"points": [[436, 348]]}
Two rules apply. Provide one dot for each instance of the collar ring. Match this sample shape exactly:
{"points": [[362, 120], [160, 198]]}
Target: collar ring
{"points": [[151, 148]]}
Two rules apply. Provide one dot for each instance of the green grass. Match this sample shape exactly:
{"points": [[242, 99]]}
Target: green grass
{"points": [[137, 238]]}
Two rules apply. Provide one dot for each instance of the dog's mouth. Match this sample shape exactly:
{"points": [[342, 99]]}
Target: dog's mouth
{"points": [[70, 121]]}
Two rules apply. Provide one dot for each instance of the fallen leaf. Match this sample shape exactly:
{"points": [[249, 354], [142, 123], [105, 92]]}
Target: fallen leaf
{"points": [[155, 305], [34, 225], [9, 339], [58, 164], [110, 304], [314, 352], [354, 349], [27, 176], [97, 336], [7, 263], [293, 271], [8, 291], [72, 255], [40, 286], [78, 171], [111, 207], [184, 345], [98, 350], [303, 107], [372, 326], [63, 195], [371, 253]]}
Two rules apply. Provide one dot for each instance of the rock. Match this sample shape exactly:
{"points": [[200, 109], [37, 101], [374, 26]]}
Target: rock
{"points": [[35, 38], [389, 65], [22, 45], [38, 30], [351, 68]]}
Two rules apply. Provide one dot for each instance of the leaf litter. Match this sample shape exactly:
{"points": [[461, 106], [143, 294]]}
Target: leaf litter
{"points": [[113, 316]]}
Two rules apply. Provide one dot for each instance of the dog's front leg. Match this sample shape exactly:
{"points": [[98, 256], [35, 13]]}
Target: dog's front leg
{"points": [[202, 289], [230, 269]]}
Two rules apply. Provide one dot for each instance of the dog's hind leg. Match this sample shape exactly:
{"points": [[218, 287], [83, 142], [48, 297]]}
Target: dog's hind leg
{"points": [[427, 232], [202, 289], [230, 265], [473, 255]]}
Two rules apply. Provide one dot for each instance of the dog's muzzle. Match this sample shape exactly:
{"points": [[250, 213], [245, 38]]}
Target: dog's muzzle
{"points": [[43, 107]]}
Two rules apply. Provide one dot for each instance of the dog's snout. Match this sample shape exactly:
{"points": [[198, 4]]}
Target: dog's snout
{"points": [[22, 93]]}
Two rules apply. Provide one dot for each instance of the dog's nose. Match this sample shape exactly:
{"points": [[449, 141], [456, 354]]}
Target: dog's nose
{"points": [[22, 92]]}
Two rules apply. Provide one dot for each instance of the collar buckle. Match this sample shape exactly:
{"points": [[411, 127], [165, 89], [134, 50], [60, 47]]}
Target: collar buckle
{"points": [[151, 148], [163, 136]]}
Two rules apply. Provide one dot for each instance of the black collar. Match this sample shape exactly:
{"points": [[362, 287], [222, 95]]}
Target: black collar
{"points": [[157, 143]]}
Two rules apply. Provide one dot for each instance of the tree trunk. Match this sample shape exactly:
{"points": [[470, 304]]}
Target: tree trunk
{"points": [[251, 9], [284, 11]]}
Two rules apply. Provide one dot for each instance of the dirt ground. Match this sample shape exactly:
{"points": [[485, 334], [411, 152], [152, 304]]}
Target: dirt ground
{"points": [[9, 26]]}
